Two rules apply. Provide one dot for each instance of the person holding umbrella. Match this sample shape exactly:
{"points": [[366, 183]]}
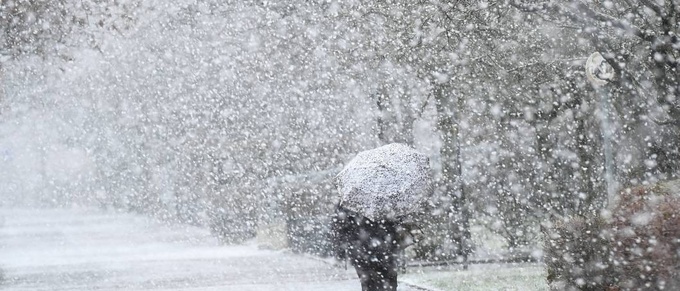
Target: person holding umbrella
{"points": [[380, 190]]}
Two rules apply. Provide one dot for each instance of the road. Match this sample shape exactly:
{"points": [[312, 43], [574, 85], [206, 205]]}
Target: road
{"points": [[85, 249]]}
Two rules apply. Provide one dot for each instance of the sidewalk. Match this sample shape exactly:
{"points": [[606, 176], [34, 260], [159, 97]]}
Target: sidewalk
{"points": [[481, 277], [88, 250]]}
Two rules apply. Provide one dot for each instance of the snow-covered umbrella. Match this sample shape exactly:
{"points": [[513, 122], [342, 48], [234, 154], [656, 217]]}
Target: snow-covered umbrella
{"points": [[385, 183]]}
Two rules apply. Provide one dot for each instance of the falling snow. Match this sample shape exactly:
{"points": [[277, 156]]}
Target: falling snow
{"points": [[551, 132]]}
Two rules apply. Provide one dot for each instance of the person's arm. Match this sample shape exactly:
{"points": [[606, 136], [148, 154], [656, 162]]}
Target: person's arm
{"points": [[407, 234]]}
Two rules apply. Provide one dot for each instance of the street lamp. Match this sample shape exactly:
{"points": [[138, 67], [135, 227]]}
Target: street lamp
{"points": [[600, 73]]}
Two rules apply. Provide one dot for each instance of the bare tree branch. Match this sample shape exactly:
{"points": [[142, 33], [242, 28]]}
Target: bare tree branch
{"points": [[586, 11], [615, 22], [549, 116], [667, 122], [653, 7]]}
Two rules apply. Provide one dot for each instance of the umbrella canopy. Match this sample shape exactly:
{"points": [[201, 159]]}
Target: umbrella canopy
{"points": [[385, 183]]}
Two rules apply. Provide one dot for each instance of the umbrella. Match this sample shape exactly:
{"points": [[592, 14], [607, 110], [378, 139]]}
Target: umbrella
{"points": [[385, 183]]}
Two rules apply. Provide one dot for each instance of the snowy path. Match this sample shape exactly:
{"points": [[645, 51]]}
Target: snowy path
{"points": [[88, 250]]}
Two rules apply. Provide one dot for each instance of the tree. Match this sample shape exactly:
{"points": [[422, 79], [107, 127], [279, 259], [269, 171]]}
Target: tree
{"points": [[639, 40], [47, 28]]}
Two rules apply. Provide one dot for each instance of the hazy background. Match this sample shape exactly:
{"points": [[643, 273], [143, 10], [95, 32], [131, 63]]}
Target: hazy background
{"points": [[237, 114]]}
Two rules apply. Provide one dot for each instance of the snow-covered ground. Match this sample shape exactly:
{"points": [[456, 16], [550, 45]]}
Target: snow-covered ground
{"points": [[483, 277], [90, 250]]}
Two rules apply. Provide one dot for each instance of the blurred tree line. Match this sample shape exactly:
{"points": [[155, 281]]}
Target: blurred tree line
{"points": [[237, 113]]}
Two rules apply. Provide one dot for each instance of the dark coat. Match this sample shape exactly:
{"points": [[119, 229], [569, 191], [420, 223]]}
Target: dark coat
{"points": [[372, 247]]}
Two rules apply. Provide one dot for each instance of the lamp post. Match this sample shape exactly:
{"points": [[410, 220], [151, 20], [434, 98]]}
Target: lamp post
{"points": [[599, 73]]}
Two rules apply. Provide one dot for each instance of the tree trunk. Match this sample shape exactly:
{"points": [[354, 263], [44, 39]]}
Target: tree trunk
{"points": [[454, 200], [406, 136], [391, 129], [2, 90], [382, 102]]}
